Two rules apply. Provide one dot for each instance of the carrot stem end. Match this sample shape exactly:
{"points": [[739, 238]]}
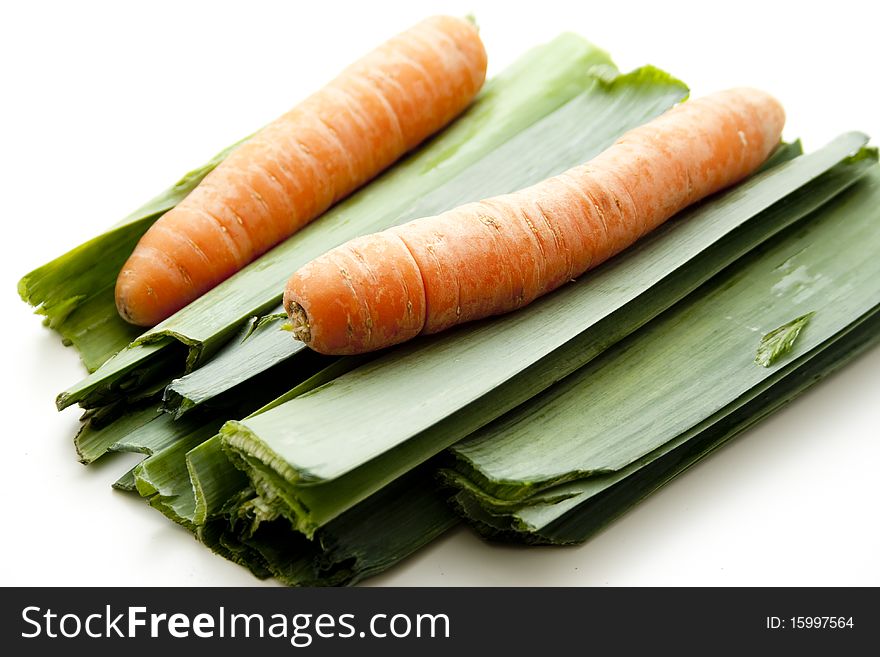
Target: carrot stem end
{"points": [[299, 323]]}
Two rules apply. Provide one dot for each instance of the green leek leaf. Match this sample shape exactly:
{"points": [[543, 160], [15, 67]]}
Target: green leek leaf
{"points": [[778, 342], [681, 383]]}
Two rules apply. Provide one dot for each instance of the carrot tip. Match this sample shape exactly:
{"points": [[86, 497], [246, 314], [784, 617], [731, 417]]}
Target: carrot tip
{"points": [[122, 309], [299, 322]]}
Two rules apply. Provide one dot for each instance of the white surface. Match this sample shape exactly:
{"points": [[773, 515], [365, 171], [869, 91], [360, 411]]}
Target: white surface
{"points": [[105, 104]]}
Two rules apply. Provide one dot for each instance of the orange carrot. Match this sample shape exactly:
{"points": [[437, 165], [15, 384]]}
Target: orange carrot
{"points": [[299, 165], [500, 254]]}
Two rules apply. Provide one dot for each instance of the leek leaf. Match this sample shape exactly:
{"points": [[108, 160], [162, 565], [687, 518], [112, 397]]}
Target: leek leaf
{"points": [[778, 342], [92, 443], [592, 503], [213, 499], [556, 457], [164, 478], [369, 538]]}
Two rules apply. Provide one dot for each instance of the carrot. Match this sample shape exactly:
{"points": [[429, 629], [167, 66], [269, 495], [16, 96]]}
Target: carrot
{"points": [[500, 254], [299, 165]]}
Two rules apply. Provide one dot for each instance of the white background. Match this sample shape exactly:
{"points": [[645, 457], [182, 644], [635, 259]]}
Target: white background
{"points": [[105, 104]]}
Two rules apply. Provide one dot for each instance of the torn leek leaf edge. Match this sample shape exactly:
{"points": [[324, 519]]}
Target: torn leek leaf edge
{"points": [[201, 388], [213, 476], [158, 478], [779, 342], [91, 443], [552, 144], [378, 533], [261, 321], [184, 458], [521, 95], [411, 513], [126, 482], [295, 452]]}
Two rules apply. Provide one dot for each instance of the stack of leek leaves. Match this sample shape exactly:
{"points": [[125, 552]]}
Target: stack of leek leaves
{"points": [[333, 473]]}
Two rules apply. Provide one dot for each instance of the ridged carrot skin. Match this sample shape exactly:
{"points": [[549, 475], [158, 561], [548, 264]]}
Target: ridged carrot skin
{"points": [[497, 255], [302, 163]]}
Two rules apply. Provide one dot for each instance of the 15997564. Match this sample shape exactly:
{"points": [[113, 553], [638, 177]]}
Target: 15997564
{"points": [[809, 623]]}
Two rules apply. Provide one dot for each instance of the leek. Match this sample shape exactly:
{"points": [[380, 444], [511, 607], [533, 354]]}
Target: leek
{"points": [[778, 342], [556, 469], [192, 482]]}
